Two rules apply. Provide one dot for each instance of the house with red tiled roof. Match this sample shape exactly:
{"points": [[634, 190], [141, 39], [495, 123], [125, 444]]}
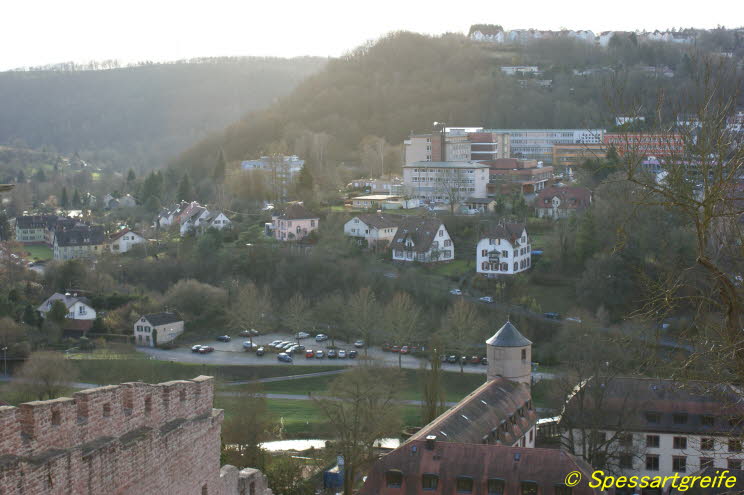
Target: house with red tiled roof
{"points": [[294, 223], [123, 240], [423, 239], [562, 201]]}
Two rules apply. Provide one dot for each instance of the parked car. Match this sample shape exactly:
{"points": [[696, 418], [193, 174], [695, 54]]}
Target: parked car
{"points": [[195, 348], [206, 349], [452, 359], [250, 346], [475, 359], [353, 354], [300, 348], [405, 350], [486, 299], [464, 359], [260, 351], [286, 345], [302, 335], [321, 337], [332, 354], [224, 338], [291, 350], [274, 342], [309, 353], [576, 319], [249, 333], [552, 316], [484, 362], [386, 347], [359, 344], [284, 357], [456, 292], [319, 354], [342, 354], [395, 348]]}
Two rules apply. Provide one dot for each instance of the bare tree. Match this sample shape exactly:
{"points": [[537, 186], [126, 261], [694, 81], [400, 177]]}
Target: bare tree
{"points": [[45, 375], [402, 321], [460, 326], [296, 313], [453, 184], [364, 314], [363, 409], [251, 308]]}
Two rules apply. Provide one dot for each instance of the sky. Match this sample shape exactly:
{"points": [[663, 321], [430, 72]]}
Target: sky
{"points": [[39, 32]]}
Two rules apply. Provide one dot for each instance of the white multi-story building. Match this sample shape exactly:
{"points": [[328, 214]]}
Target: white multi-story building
{"points": [[657, 427], [446, 181], [537, 144], [418, 148], [503, 249], [423, 239]]}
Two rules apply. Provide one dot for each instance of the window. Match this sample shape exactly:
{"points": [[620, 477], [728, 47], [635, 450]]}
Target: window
{"points": [[652, 463], [679, 418], [626, 439], [562, 490], [447, 243], [653, 417], [679, 442], [495, 487], [706, 462], [441, 233], [429, 481], [734, 464], [707, 420], [464, 484], [652, 441], [734, 446], [524, 354], [529, 488], [679, 464], [394, 479], [707, 444], [626, 461]]}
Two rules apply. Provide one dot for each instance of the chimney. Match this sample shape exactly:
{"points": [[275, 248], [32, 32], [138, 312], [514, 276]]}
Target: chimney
{"points": [[431, 441]]}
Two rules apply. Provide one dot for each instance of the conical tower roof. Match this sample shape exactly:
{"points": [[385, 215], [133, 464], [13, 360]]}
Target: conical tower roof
{"points": [[508, 336]]}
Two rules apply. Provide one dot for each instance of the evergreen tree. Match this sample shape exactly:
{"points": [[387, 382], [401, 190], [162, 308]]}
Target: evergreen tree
{"points": [[586, 238], [153, 204], [63, 200], [305, 181], [185, 189], [40, 175], [219, 170], [76, 199], [131, 177], [4, 227]]}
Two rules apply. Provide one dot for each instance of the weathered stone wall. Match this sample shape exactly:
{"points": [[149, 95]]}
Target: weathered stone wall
{"points": [[132, 438]]}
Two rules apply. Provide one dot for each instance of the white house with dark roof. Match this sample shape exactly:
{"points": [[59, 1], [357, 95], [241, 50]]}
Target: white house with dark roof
{"points": [[377, 229], [78, 308], [157, 328], [423, 239], [503, 249], [123, 240]]}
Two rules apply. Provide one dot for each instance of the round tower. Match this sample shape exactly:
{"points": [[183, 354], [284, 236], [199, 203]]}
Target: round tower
{"points": [[509, 355]]}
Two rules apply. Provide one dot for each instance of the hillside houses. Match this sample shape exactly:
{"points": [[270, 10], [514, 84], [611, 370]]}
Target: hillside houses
{"points": [[375, 229], [294, 223], [422, 239], [503, 249], [192, 217], [80, 313], [124, 240], [79, 242]]}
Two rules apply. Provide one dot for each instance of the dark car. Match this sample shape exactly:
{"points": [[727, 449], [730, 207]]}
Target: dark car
{"points": [[196, 348], [452, 359], [224, 338], [353, 354], [464, 359], [484, 361], [299, 348], [260, 351], [284, 357], [206, 349], [332, 354], [552, 316]]}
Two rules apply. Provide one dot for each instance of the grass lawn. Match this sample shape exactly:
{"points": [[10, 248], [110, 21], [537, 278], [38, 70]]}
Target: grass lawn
{"points": [[39, 252], [453, 269]]}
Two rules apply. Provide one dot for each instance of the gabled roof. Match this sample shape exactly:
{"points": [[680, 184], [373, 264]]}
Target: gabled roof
{"points": [[480, 462], [66, 299], [571, 197], [296, 211], [509, 231], [82, 235], [380, 220], [421, 230], [120, 233], [508, 336], [157, 319], [35, 221]]}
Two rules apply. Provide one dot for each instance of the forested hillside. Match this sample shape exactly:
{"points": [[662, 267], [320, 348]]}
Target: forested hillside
{"points": [[406, 81], [139, 117]]}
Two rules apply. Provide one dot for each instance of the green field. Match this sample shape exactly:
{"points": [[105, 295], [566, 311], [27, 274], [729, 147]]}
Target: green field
{"points": [[39, 252]]}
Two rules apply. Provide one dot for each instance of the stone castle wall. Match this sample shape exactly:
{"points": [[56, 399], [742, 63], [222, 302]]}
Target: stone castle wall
{"points": [[132, 438]]}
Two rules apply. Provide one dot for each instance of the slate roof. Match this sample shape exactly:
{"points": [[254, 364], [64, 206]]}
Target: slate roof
{"points": [[380, 220], [34, 221], [67, 300], [670, 401], [499, 412], [421, 230], [296, 212], [508, 336], [448, 461], [163, 318], [82, 235], [509, 231], [573, 198]]}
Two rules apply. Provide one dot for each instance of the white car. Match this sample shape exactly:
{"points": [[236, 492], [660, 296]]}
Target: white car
{"points": [[486, 299], [574, 319], [302, 335], [321, 337], [456, 292], [359, 344]]}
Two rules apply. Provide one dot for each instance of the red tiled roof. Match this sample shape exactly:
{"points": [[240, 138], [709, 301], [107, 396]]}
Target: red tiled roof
{"points": [[572, 198]]}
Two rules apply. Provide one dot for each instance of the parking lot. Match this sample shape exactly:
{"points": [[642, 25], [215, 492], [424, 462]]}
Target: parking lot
{"points": [[232, 353]]}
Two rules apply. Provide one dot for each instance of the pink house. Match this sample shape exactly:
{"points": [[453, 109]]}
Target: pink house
{"points": [[294, 224]]}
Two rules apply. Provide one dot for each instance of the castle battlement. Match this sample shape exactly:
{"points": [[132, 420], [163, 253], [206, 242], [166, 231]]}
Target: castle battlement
{"points": [[113, 411]]}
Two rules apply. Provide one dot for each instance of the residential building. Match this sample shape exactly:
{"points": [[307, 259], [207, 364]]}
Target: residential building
{"points": [[282, 170], [295, 223], [123, 240], [645, 145], [446, 181], [111, 202], [562, 201], [566, 157], [662, 426], [80, 242], [485, 443], [80, 313], [216, 220], [521, 70], [380, 185], [376, 229], [511, 174], [198, 219], [480, 205], [157, 329], [375, 201], [32, 229], [537, 144], [503, 249], [423, 239]]}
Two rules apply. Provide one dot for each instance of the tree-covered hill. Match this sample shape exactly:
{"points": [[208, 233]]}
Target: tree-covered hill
{"points": [[139, 117], [406, 81]]}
